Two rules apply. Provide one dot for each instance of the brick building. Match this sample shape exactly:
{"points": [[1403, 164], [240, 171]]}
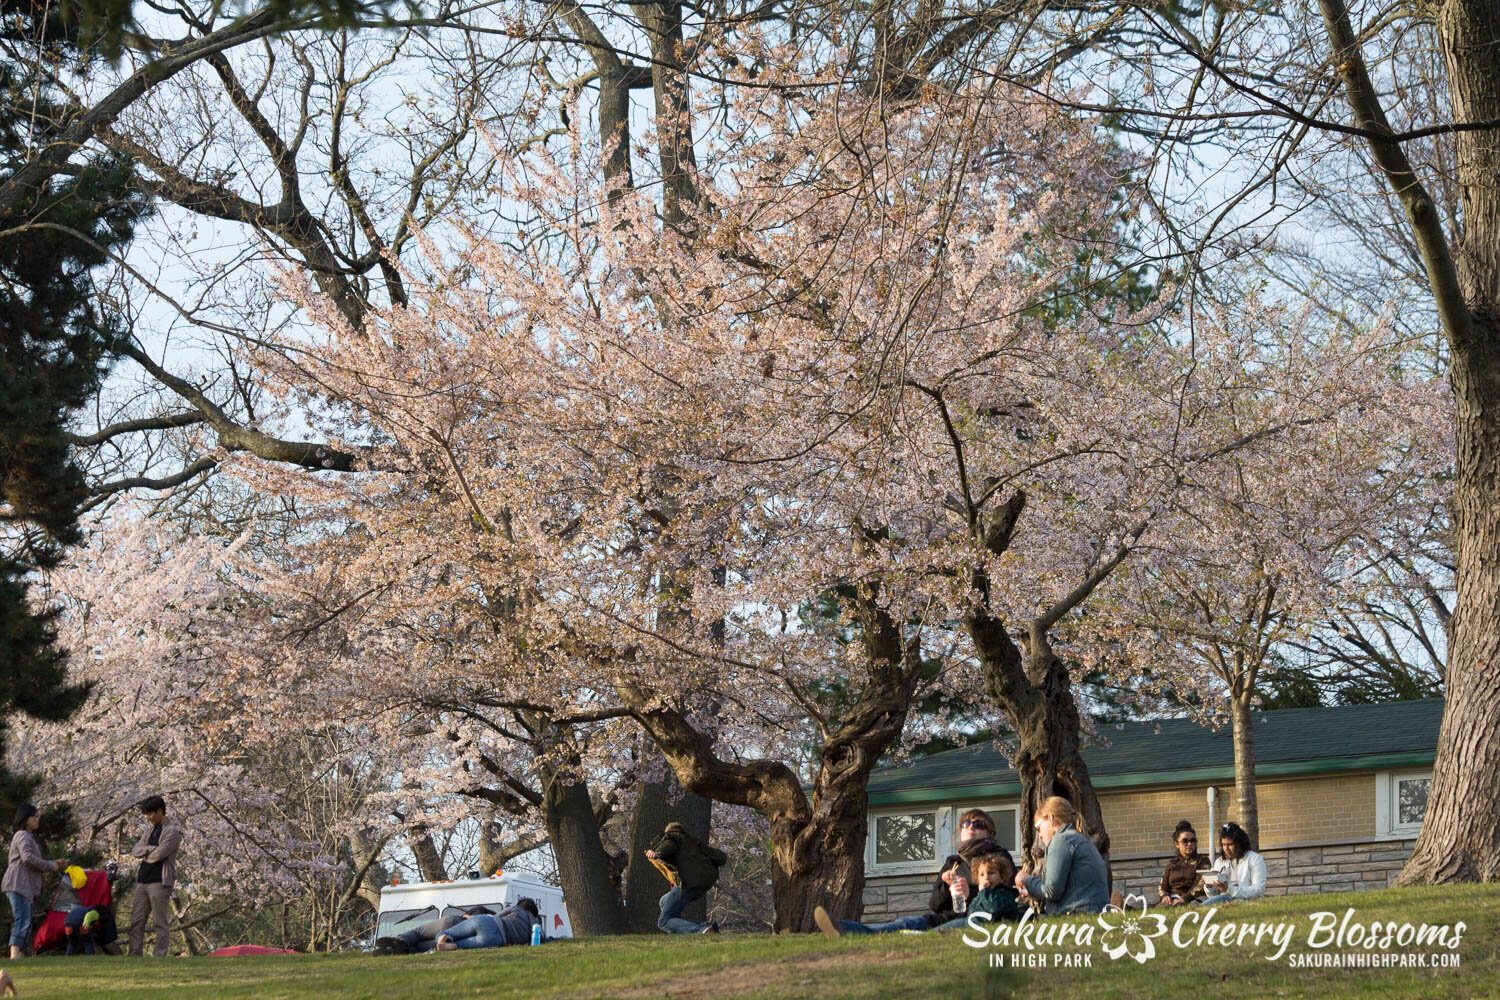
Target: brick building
{"points": [[1341, 795]]}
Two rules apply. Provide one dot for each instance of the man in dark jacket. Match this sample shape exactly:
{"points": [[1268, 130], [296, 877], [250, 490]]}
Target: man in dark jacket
{"points": [[692, 867], [157, 850]]}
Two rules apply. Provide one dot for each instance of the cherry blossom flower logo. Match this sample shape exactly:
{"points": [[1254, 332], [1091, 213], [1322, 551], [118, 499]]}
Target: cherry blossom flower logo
{"points": [[1129, 930]]}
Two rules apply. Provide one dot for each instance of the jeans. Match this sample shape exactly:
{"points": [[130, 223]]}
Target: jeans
{"points": [[917, 923], [20, 925], [482, 931], [1216, 899], [672, 905]]}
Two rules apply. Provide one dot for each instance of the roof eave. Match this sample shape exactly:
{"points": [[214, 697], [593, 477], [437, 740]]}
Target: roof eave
{"points": [[1138, 779]]}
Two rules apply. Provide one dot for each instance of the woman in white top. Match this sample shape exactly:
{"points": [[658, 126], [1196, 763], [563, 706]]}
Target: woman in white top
{"points": [[1242, 872]]}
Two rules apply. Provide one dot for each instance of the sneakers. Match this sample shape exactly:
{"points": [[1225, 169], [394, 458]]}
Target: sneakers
{"points": [[826, 924], [712, 928]]}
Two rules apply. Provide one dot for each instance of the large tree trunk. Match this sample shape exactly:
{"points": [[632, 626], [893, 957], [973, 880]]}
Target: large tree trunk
{"points": [[661, 800], [573, 830], [1460, 838], [1246, 810], [1040, 703], [817, 840]]}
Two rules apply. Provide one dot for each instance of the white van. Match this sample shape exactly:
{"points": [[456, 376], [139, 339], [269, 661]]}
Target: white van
{"points": [[407, 904]]}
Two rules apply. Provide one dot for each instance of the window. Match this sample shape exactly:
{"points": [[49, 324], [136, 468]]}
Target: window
{"points": [[915, 841], [1401, 802], [393, 922], [1007, 817], [905, 838]]}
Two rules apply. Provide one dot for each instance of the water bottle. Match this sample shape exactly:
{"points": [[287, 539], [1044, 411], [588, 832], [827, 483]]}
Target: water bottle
{"points": [[960, 900], [536, 934]]}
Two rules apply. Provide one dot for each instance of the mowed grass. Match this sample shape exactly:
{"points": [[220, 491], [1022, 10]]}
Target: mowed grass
{"points": [[767, 966]]}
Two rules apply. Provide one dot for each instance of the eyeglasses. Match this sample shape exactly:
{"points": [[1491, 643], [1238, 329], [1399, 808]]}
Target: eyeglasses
{"points": [[1188, 840], [979, 823]]}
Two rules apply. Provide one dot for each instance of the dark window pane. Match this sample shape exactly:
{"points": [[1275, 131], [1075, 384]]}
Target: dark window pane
{"points": [[1005, 828], [906, 838], [1411, 799]]}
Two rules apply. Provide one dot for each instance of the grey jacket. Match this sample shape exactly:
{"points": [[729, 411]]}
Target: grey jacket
{"points": [[25, 866], [1076, 879], [165, 851]]}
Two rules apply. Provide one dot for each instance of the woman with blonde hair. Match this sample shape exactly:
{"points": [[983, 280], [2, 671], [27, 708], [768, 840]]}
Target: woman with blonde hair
{"points": [[1075, 878]]}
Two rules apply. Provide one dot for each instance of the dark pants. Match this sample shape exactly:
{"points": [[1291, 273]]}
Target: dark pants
{"points": [[80, 941], [423, 937], [672, 905]]}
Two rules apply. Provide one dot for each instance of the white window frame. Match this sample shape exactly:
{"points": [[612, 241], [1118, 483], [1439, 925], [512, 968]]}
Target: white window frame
{"points": [[1387, 784], [942, 835]]}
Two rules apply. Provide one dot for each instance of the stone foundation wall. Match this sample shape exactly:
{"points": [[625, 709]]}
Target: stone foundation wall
{"points": [[1329, 866]]}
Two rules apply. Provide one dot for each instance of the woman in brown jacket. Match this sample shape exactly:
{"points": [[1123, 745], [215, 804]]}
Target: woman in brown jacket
{"points": [[24, 869], [1180, 881]]}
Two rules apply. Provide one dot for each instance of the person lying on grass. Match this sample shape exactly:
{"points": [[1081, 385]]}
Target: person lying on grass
{"points": [[511, 925], [423, 937], [997, 898]]}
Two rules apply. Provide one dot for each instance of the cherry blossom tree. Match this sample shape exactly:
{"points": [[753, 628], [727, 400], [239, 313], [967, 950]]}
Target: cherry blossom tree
{"points": [[626, 453], [1284, 537]]}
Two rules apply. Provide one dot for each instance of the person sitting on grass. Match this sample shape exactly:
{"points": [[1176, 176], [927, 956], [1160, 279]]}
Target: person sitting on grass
{"points": [[1241, 871], [1075, 878], [692, 867], [976, 838], [997, 898], [1180, 881], [511, 925]]}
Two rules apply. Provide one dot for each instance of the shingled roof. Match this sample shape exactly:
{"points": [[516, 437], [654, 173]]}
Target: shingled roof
{"points": [[1171, 751]]}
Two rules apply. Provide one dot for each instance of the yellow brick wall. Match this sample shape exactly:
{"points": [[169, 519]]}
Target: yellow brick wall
{"points": [[1325, 807]]}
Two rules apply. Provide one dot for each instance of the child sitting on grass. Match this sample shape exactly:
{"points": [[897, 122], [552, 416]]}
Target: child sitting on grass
{"points": [[997, 898]]}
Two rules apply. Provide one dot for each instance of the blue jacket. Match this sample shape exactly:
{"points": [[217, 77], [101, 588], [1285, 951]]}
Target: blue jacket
{"points": [[1076, 879]]}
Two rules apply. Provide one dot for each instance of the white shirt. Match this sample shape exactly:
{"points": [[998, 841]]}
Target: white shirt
{"points": [[1245, 877]]}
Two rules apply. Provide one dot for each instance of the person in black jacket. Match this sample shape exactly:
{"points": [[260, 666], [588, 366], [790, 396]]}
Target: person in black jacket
{"points": [[692, 867], [976, 837]]}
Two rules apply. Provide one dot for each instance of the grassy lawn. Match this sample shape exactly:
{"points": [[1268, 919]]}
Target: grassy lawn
{"points": [[808, 965]]}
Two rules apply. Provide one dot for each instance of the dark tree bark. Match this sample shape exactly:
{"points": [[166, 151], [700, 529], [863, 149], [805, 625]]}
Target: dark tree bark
{"points": [[573, 830], [817, 834], [659, 802], [1036, 694], [1460, 838]]}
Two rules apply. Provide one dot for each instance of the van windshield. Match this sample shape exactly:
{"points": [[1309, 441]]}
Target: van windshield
{"points": [[393, 922]]}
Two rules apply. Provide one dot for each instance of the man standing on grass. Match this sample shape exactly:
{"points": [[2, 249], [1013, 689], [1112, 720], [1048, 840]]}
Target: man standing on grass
{"points": [[157, 850]]}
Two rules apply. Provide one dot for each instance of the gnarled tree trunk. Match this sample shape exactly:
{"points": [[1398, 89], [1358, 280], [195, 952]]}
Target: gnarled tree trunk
{"points": [[573, 830], [817, 838]]}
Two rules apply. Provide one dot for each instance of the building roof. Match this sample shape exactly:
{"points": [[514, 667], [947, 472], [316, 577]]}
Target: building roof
{"points": [[1176, 751]]}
